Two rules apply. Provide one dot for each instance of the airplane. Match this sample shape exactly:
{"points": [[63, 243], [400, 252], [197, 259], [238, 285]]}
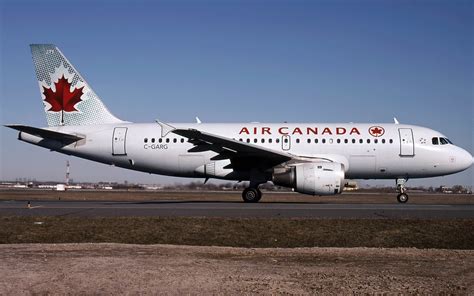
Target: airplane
{"points": [[310, 158]]}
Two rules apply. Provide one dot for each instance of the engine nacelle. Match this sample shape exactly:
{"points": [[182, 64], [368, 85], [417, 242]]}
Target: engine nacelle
{"points": [[315, 178]]}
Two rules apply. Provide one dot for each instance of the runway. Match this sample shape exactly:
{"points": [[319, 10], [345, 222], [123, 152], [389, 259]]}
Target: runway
{"points": [[174, 208]]}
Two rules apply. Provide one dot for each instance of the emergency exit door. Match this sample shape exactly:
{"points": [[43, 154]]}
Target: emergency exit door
{"points": [[285, 142], [119, 140], [407, 144]]}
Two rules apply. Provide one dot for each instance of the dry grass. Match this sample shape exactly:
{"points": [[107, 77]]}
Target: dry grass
{"points": [[241, 232]]}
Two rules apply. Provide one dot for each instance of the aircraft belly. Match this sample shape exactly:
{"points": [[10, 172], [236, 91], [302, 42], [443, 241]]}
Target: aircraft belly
{"points": [[362, 166]]}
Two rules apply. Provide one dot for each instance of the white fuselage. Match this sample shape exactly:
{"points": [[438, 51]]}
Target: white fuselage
{"points": [[390, 151]]}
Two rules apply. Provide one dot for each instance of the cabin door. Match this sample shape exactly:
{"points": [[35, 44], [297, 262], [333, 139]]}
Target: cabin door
{"points": [[407, 144], [118, 141]]}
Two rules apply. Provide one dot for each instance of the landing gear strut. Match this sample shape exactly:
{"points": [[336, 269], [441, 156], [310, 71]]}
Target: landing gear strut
{"points": [[402, 197]]}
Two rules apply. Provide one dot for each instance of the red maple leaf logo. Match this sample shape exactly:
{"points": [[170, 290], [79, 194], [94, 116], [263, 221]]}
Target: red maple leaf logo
{"points": [[63, 99], [376, 131]]}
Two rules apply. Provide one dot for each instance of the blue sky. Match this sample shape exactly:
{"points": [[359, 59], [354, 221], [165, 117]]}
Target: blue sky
{"points": [[231, 61]]}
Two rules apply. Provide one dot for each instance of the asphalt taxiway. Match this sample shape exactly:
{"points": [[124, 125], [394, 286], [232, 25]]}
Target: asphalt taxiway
{"points": [[174, 208]]}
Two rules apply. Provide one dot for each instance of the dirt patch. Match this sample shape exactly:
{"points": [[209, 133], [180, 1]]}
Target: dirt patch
{"points": [[166, 269]]}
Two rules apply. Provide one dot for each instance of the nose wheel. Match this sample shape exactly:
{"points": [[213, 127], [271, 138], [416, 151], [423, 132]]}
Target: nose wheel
{"points": [[251, 194], [402, 197]]}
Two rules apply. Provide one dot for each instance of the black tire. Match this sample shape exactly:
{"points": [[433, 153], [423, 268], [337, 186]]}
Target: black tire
{"points": [[402, 198], [251, 195]]}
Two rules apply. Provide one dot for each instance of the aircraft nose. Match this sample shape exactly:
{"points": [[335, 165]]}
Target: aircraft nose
{"points": [[465, 159]]}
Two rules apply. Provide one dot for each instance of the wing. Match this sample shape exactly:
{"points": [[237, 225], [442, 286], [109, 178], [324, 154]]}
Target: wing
{"points": [[242, 155]]}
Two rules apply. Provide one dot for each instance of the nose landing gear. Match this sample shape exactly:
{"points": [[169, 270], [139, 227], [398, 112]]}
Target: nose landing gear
{"points": [[402, 197]]}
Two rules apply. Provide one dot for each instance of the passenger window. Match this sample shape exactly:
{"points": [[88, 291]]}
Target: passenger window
{"points": [[434, 141], [174, 140], [160, 140], [376, 141], [240, 140], [391, 141], [153, 140], [270, 140], [323, 141], [383, 141], [167, 140], [368, 141], [346, 141], [146, 140], [316, 141], [248, 140], [277, 140], [309, 141], [263, 141], [353, 141], [255, 140], [297, 141], [338, 141], [286, 140], [361, 141], [182, 140]]}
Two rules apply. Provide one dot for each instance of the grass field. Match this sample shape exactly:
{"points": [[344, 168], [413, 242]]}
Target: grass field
{"points": [[241, 232]]}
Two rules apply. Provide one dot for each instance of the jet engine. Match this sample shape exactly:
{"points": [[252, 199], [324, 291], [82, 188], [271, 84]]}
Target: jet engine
{"points": [[315, 178]]}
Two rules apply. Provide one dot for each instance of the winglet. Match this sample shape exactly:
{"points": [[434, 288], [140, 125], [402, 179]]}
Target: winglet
{"points": [[396, 120], [165, 128], [198, 121]]}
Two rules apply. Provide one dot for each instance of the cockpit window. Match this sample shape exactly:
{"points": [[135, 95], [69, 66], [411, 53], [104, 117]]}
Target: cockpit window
{"points": [[440, 141], [444, 141]]}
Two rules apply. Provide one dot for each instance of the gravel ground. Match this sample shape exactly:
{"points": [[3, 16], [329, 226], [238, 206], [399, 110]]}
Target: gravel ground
{"points": [[166, 269]]}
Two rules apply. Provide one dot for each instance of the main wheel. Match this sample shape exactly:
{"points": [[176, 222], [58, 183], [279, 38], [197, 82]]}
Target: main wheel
{"points": [[402, 198], [251, 195]]}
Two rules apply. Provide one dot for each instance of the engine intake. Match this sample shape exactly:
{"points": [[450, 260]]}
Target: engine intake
{"points": [[315, 178]]}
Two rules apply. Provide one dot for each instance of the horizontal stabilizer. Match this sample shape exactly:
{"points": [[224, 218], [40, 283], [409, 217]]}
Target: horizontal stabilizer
{"points": [[44, 133]]}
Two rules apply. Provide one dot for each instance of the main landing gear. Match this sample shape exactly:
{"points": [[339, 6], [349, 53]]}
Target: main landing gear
{"points": [[402, 197], [251, 194]]}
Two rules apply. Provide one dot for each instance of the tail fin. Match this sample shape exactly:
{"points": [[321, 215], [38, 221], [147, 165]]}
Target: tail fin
{"points": [[67, 98]]}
